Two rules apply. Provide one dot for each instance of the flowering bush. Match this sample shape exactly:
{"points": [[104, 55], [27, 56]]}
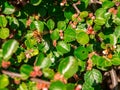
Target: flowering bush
{"points": [[59, 44]]}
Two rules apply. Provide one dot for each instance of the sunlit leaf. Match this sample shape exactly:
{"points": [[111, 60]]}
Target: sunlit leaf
{"points": [[57, 85], [9, 47], [4, 81], [4, 33], [68, 66], [93, 76]]}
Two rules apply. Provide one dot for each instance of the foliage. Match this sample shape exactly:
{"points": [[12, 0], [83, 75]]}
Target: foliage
{"points": [[44, 44]]}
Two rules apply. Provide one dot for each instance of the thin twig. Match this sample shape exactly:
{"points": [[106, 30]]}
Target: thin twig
{"points": [[40, 81], [11, 74], [76, 8], [114, 79], [95, 1]]}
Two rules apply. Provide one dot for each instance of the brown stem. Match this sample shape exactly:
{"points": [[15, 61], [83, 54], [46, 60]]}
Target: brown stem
{"points": [[114, 79], [40, 81], [76, 8], [11, 74], [95, 1]]}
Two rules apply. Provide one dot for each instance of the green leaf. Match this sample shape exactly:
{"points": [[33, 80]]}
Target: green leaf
{"points": [[69, 35], [8, 8], [86, 86], [9, 47], [116, 61], [4, 33], [100, 61], [23, 86], [48, 73], [62, 47], [26, 69], [30, 43], [50, 24], [107, 4], [116, 20], [55, 34], [97, 27], [37, 25], [100, 13], [57, 85], [68, 66], [117, 31], [61, 25], [42, 61], [86, 2], [70, 86], [100, 21], [93, 76], [118, 13], [35, 2], [83, 14], [4, 81], [68, 13], [3, 21], [81, 53], [82, 38], [14, 23]]}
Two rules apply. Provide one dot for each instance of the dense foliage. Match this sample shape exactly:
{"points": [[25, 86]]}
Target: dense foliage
{"points": [[59, 44]]}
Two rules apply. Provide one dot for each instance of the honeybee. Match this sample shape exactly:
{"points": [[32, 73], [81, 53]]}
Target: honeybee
{"points": [[37, 35]]}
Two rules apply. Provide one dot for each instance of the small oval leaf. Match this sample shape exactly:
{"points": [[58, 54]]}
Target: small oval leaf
{"points": [[50, 24], [4, 33], [62, 47], [81, 53], [9, 47], [68, 66], [82, 38]]}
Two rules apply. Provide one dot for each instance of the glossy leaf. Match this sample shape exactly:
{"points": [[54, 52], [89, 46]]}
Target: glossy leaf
{"points": [[4, 81], [117, 31], [68, 66], [107, 4], [81, 53], [100, 13], [48, 73], [26, 69], [35, 2], [8, 8], [42, 61], [55, 34], [69, 35], [3, 21], [100, 21], [86, 2], [37, 25], [62, 47], [9, 47], [4, 33], [50, 24], [57, 85], [61, 25], [82, 38], [93, 76]]}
